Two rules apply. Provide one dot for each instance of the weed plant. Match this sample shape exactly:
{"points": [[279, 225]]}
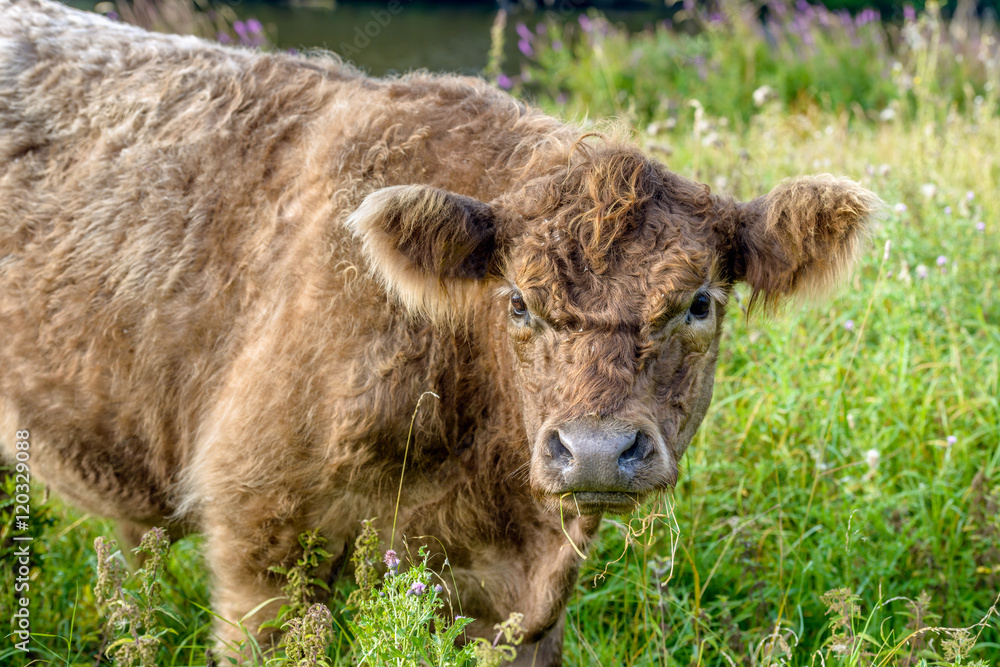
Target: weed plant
{"points": [[133, 623], [839, 505], [399, 620]]}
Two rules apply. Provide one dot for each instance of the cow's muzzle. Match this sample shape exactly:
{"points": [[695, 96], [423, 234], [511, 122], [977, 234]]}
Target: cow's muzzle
{"points": [[602, 466]]}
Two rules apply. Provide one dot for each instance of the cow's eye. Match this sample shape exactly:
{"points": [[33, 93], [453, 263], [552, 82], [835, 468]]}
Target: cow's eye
{"points": [[517, 304], [701, 306]]}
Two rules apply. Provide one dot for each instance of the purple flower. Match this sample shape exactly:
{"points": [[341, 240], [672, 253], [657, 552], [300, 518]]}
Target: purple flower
{"points": [[970, 195], [867, 16], [900, 207], [223, 38], [504, 81], [254, 26], [585, 23], [417, 588], [241, 28], [909, 14], [942, 260], [439, 589], [947, 210], [849, 325], [391, 560], [541, 29], [113, 15], [525, 32], [557, 45], [980, 226], [825, 16], [525, 47], [951, 440]]}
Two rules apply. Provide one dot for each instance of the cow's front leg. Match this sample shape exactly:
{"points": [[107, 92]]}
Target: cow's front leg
{"points": [[546, 652], [242, 546]]}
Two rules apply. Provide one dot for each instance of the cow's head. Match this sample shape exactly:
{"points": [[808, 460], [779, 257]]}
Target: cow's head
{"points": [[614, 275]]}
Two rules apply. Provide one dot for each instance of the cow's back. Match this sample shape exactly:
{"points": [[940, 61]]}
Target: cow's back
{"points": [[146, 188]]}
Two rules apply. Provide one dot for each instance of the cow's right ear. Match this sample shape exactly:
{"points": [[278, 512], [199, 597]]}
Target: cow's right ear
{"points": [[432, 249]]}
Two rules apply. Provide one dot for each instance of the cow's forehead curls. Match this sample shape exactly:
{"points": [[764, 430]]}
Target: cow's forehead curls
{"points": [[611, 210]]}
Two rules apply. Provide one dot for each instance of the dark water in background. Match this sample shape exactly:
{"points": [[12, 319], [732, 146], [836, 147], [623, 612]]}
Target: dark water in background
{"points": [[449, 36]]}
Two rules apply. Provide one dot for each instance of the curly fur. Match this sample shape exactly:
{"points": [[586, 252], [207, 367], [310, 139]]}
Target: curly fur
{"points": [[227, 277]]}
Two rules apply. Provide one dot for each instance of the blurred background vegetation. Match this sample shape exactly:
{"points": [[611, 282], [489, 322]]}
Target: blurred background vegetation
{"points": [[455, 36]]}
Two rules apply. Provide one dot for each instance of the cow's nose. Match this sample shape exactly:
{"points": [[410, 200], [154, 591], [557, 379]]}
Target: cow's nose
{"points": [[594, 457]]}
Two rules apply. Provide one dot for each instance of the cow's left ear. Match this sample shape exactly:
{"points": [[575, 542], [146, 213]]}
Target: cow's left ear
{"points": [[798, 238], [431, 248]]}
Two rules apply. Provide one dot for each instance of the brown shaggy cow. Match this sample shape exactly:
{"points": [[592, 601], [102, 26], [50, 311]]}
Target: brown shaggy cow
{"points": [[226, 278]]}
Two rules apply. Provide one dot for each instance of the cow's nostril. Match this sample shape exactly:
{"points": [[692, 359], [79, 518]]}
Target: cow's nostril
{"points": [[636, 452], [558, 450]]}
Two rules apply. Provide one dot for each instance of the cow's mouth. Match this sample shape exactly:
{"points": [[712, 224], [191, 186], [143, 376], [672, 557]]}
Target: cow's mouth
{"points": [[598, 502]]}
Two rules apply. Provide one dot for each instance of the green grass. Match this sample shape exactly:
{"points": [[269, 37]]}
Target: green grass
{"points": [[824, 463]]}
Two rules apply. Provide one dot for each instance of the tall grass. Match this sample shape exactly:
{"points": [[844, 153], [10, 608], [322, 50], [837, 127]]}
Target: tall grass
{"points": [[839, 506], [734, 59]]}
